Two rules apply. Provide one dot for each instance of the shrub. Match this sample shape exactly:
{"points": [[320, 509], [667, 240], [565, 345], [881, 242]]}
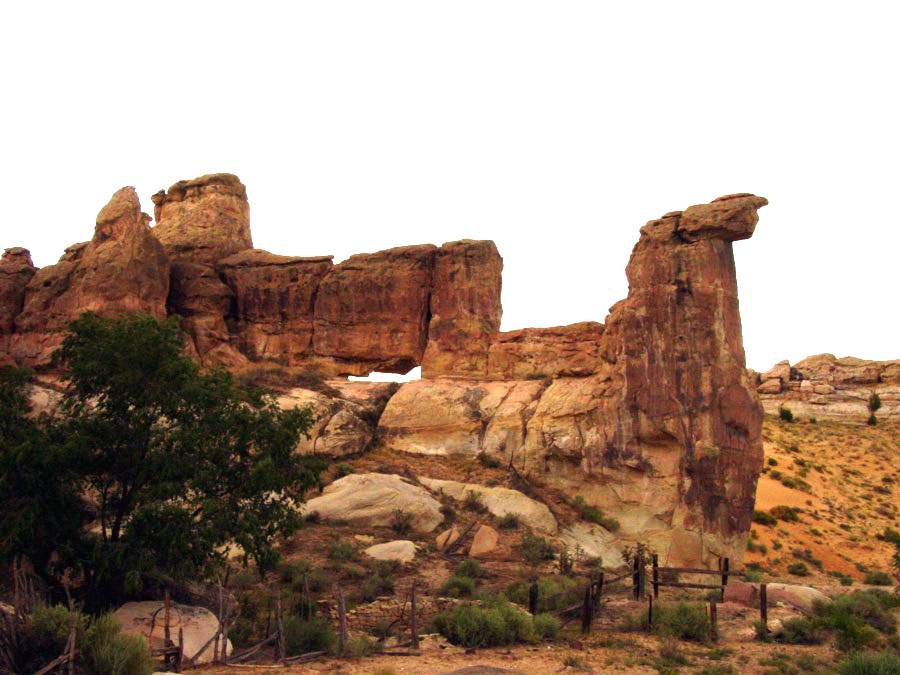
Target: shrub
{"points": [[874, 402], [885, 663], [342, 469], [108, 652], [469, 568], [681, 620], [787, 514], [872, 421], [473, 501], [342, 551], [375, 586], [804, 630], [493, 622], [594, 514], [535, 549], [509, 521], [763, 518], [548, 588], [359, 646], [487, 461], [878, 579], [798, 569], [302, 637], [458, 587], [401, 523], [753, 575], [772, 461], [547, 627], [785, 414]]}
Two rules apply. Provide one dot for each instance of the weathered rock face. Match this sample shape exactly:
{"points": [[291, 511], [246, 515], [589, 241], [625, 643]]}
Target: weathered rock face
{"points": [[346, 415], [465, 309], [274, 299], [16, 270], [826, 387], [203, 220], [122, 269], [546, 352]]}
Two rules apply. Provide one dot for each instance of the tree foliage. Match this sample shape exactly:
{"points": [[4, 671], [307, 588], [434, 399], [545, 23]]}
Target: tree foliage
{"points": [[178, 462]]}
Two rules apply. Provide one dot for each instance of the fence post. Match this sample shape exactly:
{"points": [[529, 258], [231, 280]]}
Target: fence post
{"points": [[587, 608], [599, 591], [635, 578], [725, 567], [342, 619], [412, 617], [181, 649], [307, 598], [764, 610], [533, 599], [714, 620], [650, 611], [655, 576], [642, 573], [167, 642], [281, 651]]}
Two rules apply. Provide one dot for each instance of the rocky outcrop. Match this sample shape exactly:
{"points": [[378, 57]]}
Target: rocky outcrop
{"points": [[346, 415], [123, 268], [826, 387], [652, 417], [498, 501], [16, 270], [373, 499], [197, 626], [203, 220]]}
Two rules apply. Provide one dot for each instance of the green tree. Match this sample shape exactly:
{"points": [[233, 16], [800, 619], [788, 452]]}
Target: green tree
{"points": [[179, 462]]}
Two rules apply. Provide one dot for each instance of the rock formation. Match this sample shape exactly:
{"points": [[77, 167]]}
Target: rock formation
{"points": [[203, 220], [825, 387], [121, 269], [651, 416]]}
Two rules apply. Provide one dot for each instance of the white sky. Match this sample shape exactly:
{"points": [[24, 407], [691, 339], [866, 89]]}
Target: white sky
{"points": [[554, 128]]}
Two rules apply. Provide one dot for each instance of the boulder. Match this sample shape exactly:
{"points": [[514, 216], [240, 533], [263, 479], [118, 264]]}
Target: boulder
{"points": [[484, 542], [147, 620], [742, 593], [122, 269], [802, 597], [447, 538], [772, 386], [401, 550], [499, 501], [204, 219], [373, 499]]}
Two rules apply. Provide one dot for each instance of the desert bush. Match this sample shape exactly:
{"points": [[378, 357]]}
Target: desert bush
{"points": [[535, 549], [763, 518], [106, 651], [788, 514], [785, 414], [493, 622], [342, 469], [547, 627], [798, 569], [302, 637], [376, 586], [872, 421], [681, 620], [469, 568], [458, 587], [594, 514], [487, 461], [509, 521], [548, 587], [885, 663], [474, 502], [342, 551], [804, 630], [360, 645], [878, 578], [402, 522]]}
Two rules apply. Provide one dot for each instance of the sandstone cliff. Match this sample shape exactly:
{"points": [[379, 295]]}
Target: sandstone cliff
{"points": [[650, 416], [825, 387]]}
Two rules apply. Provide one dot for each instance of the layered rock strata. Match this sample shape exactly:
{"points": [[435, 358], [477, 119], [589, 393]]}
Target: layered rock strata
{"points": [[826, 387]]}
